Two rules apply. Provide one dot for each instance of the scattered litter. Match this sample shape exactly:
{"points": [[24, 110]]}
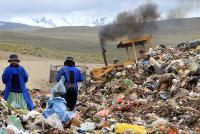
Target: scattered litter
{"points": [[161, 95]]}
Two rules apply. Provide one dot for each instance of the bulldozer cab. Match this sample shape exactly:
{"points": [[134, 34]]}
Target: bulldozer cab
{"points": [[132, 46]]}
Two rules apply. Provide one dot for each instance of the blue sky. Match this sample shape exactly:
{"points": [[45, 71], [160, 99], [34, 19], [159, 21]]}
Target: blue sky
{"points": [[78, 8]]}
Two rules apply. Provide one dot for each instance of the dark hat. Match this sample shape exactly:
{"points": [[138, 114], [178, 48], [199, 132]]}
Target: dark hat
{"points": [[13, 57], [69, 60], [142, 50]]}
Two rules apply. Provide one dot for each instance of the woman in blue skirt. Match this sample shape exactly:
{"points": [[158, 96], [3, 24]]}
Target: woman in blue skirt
{"points": [[15, 77]]}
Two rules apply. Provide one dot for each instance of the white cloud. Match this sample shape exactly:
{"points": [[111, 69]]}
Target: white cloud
{"points": [[23, 10], [35, 7], [13, 8]]}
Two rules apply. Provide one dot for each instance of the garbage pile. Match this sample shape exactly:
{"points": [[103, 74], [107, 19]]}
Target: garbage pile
{"points": [[161, 94], [19, 121]]}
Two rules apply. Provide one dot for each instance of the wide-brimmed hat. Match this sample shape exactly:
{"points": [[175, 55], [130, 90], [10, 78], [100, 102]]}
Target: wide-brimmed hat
{"points": [[13, 57]]}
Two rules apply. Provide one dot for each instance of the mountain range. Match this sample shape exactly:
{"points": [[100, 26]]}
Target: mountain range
{"points": [[84, 40], [51, 22], [171, 30]]}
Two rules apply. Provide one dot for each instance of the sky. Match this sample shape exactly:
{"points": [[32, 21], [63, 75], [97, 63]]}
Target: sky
{"points": [[19, 8], [86, 8]]}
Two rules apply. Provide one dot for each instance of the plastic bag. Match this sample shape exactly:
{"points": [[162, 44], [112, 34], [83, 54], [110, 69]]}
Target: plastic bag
{"points": [[156, 66], [123, 127], [59, 87], [104, 112], [87, 126], [14, 129], [128, 82], [194, 66], [54, 121], [31, 114], [16, 122]]}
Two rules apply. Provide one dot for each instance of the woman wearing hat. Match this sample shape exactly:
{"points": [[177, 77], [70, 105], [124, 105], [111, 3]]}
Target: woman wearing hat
{"points": [[14, 77], [72, 77]]}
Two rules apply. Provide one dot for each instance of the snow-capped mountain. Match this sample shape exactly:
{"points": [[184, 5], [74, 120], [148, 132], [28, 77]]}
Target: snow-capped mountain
{"points": [[49, 22]]}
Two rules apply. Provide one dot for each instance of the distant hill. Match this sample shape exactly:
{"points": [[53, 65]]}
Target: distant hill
{"points": [[85, 40], [167, 31], [177, 30], [9, 26], [179, 26], [69, 32]]}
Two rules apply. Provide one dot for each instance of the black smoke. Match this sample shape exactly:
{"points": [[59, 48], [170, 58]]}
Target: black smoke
{"points": [[130, 22]]}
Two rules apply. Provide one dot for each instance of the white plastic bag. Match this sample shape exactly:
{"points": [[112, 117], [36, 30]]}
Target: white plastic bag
{"points": [[59, 87], [54, 121], [14, 128], [31, 114], [88, 126]]}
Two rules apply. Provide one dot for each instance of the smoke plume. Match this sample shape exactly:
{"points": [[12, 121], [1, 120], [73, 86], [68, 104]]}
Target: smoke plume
{"points": [[183, 8], [130, 22], [142, 20]]}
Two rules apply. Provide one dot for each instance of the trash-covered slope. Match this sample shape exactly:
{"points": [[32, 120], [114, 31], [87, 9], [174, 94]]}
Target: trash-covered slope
{"points": [[161, 95]]}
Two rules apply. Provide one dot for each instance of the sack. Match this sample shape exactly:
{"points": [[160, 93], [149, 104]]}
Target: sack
{"points": [[59, 87]]}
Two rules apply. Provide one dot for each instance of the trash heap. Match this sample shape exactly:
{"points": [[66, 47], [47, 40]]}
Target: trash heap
{"points": [[162, 94], [19, 121], [157, 96]]}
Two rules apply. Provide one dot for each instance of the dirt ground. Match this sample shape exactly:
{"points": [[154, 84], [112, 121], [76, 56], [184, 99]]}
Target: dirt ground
{"points": [[37, 68]]}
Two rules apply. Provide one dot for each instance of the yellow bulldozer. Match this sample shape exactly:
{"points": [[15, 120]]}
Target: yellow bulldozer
{"points": [[132, 47]]}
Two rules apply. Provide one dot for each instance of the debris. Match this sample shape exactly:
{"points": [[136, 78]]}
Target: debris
{"points": [[103, 113], [88, 126], [54, 121], [157, 96], [15, 122], [12, 128], [123, 127], [157, 99], [32, 114]]}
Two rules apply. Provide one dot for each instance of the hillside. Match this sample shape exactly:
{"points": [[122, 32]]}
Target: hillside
{"points": [[85, 41], [10, 26], [177, 30], [47, 42], [167, 31]]}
